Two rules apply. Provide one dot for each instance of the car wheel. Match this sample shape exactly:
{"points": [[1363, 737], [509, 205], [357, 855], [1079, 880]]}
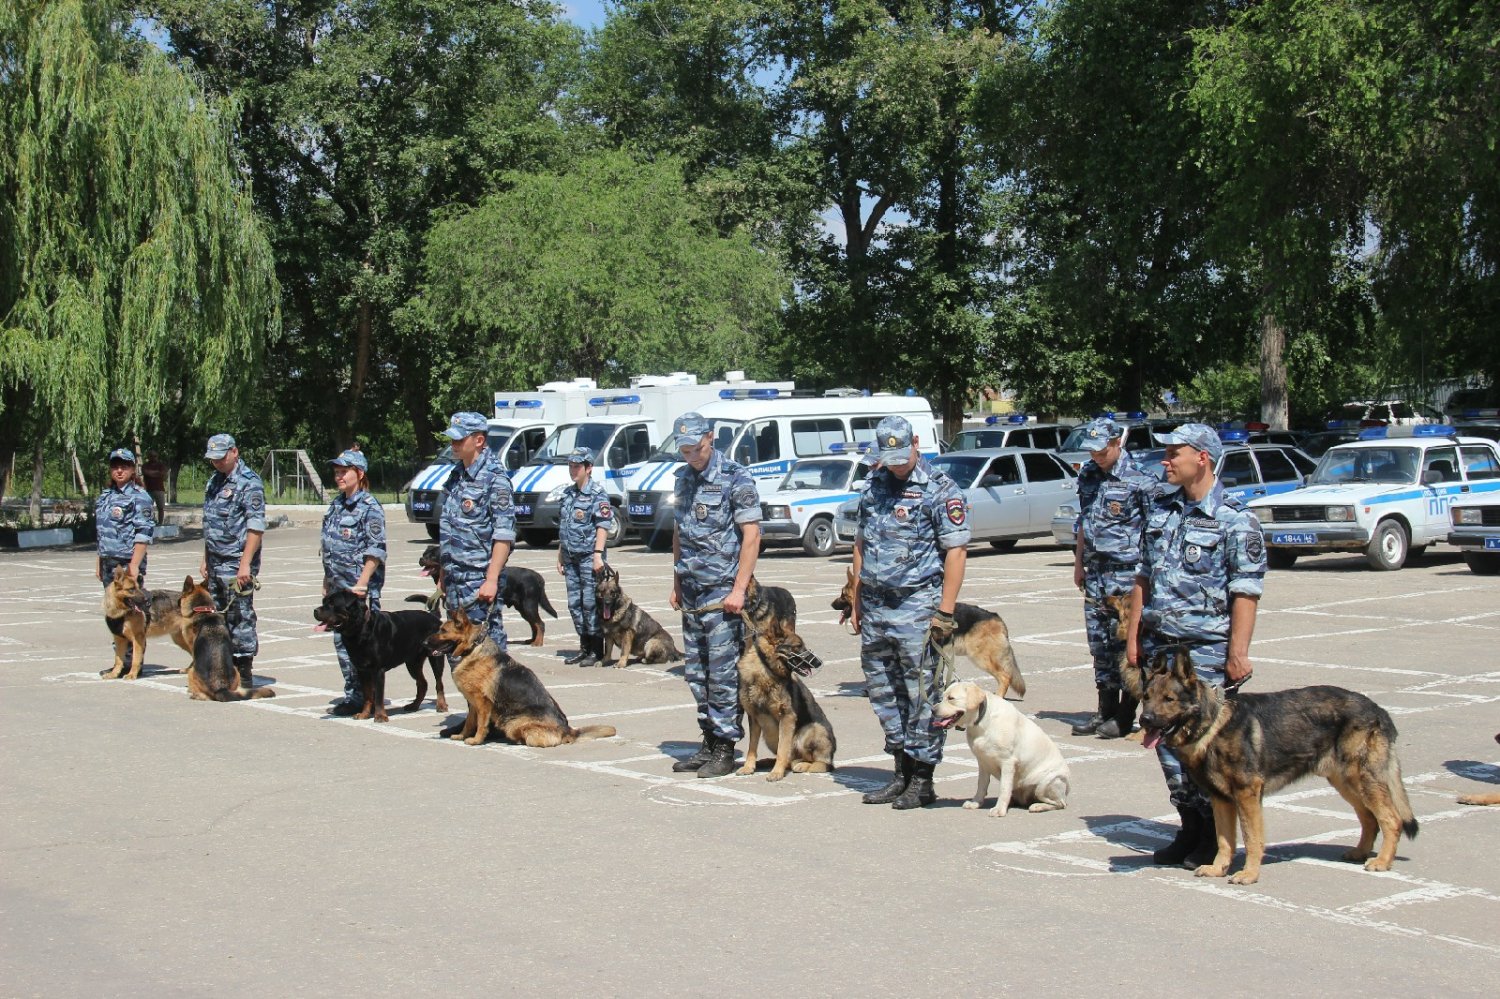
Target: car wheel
{"points": [[1388, 548], [1004, 544], [536, 538], [434, 532], [615, 535], [1280, 558], [819, 539], [1481, 564]]}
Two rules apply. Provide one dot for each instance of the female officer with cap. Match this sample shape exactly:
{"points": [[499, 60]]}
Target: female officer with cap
{"points": [[123, 514], [585, 518], [353, 548]]}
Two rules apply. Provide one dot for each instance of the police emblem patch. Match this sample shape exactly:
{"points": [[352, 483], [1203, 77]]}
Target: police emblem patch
{"points": [[1192, 553], [1255, 546], [225, 493], [605, 510], [375, 529], [891, 441], [1114, 508], [956, 511], [700, 510], [468, 506], [347, 532], [901, 513], [117, 512], [579, 515], [256, 502]]}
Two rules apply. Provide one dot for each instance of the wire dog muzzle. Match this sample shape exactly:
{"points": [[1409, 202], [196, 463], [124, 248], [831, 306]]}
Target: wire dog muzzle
{"points": [[800, 661]]}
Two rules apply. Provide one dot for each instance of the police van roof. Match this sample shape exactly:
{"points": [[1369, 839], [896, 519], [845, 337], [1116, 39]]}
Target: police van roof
{"points": [[749, 409]]}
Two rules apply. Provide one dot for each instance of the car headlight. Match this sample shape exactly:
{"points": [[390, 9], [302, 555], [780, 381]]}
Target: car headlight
{"points": [[556, 493], [1340, 513], [666, 499], [776, 512], [1467, 515]]}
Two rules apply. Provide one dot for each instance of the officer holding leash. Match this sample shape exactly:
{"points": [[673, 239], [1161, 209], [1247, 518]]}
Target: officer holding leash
{"points": [[124, 515], [1203, 566], [715, 542], [909, 561], [234, 521], [478, 526], [584, 522], [1114, 496], [354, 554]]}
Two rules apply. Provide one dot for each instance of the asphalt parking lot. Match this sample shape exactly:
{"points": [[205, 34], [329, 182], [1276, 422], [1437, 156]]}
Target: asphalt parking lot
{"points": [[156, 845]]}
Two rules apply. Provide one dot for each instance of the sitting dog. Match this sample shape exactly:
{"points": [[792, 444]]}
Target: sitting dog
{"points": [[1007, 745], [505, 698], [979, 634], [627, 627], [778, 706], [378, 641], [521, 589], [133, 615], [1239, 750], [212, 676], [1481, 799]]}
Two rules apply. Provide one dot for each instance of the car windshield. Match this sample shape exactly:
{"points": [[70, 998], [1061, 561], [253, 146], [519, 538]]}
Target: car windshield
{"points": [[961, 468], [559, 443], [1151, 461], [498, 435], [817, 473], [724, 431], [969, 440], [1342, 465]]}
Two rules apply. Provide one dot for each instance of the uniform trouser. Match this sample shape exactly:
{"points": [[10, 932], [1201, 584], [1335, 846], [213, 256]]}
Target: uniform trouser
{"points": [[902, 683], [238, 609], [712, 644], [1208, 663], [461, 588], [107, 567], [1100, 581], [578, 574], [353, 692]]}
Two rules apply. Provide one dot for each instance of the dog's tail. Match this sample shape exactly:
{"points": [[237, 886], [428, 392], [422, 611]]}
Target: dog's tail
{"points": [[1017, 681], [1398, 796], [593, 732], [546, 604], [415, 598]]}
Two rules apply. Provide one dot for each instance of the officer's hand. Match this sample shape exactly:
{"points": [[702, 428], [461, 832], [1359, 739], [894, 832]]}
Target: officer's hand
{"points": [[359, 590], [559, 564], [598, 562], [675, 600], [940, 629], [1238, 668], [242, 577], [203, 568], [487, 591], [735, 602], [99, 573], [1078, 575]]}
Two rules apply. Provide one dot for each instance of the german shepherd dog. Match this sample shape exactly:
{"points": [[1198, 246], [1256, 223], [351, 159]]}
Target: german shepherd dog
{"points": [[1237, 750], [212, 676], [777, 704], [1481, 799], [523, 590], [505, 698], [979, 634], [378, 641], [134, 615], [627, 627]]}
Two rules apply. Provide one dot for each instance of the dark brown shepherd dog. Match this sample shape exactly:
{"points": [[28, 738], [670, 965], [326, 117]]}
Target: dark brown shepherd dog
{"points": [[521, 589], [376, 642], [627, 627], [1238, 750], [212, 676], [134, 615], [978, 634], [778, 705], [505, 698]]}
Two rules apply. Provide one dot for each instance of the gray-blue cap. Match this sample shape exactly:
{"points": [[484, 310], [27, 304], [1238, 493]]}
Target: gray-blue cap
{"points": [[1199, 436], [461, 425], [219, 446], [351, 459], [580, 456], [122, 454], [893, 438], [1098, 432], [689, 428]]}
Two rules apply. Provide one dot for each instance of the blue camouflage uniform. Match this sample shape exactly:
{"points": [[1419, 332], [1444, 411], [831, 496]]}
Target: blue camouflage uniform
{"points": [[709, 506], [905, 527], [1112, 509], [581, 514], [353, 530], [478, 511], [1195, 557], [233, 506], [125, 517]]}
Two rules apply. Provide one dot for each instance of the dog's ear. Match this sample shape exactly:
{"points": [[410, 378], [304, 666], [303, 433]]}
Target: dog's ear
{"points": [[187, 584], [973, 698], [1182, 666], [1161, 662]]}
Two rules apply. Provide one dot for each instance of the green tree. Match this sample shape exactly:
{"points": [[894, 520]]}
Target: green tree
{"points": [[134, 275]]}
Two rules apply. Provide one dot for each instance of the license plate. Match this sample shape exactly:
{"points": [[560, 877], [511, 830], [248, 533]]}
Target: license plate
{"points": [[523, 509], [642, 509], [1289, 538], [418, 506], [1492, 544]]}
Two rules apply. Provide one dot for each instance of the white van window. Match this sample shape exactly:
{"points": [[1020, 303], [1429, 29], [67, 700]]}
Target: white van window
{"points": [[761, 442], [816, 436], [862, 428]]}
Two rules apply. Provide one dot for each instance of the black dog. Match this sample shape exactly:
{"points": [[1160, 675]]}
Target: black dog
{"points": [[522, 590], [378, 641]]}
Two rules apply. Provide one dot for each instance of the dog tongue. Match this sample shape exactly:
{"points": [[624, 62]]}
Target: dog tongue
{"points": [[320, 626], [426, 572], [1150, 737]]}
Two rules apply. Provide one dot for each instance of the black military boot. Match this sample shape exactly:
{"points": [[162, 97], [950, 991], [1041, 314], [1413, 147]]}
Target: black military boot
{"points": [[697, 759], [892, 791], [1207, 847], [581, 654], [1122, 721], [1176, 851], [588, 655], [242, 666], [720, 760], [1109, 701], [919, 792]]}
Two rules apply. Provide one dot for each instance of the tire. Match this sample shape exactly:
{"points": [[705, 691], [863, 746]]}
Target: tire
{"points": [[537, 538], [1388, 548], [1280, 558], [434, 532], [616, 535], [1481, 564], [819, 538], [1004, 544]]}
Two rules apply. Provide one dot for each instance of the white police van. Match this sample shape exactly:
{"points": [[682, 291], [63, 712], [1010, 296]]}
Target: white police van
{"points": [[802, 505], [1014, 430], [1386, 494], [766, 430], [1475, 528]]}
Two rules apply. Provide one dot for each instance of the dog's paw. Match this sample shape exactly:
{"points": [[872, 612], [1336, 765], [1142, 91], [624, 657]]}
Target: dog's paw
{"points": [[473, 740], [775, 775], [382, 719], [1210, 871], [1243, 878], [747, 769], [972, 804], [1354, 855], [999, 811], [1376, 864]]}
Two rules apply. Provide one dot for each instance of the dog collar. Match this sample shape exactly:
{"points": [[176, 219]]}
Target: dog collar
{"points": [[210, 609]]}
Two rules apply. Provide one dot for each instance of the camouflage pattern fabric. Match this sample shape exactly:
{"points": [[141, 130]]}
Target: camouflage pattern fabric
{"points": [[711, 647], [233, 506], [709, 504], [124, 517], [905, 526], [902, 685]]}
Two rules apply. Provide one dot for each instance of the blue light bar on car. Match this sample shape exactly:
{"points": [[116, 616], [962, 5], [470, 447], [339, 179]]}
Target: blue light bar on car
{"points": [[1105, 415], [1234, 436], [849, 447], [528, 404], [1136, 414], [750, 393], [615, 400], [1424, 430], [1018, 418]]}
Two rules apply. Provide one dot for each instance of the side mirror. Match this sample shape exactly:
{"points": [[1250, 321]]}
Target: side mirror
{"points": [[1230, 481], [991, 482], [617, 456]]}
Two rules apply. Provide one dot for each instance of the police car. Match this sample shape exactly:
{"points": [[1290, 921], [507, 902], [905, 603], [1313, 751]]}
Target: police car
{"points": [[1137, 433], [1475, 528], [1387, 494], [515, 438], [1015, 430], [802, 506]]}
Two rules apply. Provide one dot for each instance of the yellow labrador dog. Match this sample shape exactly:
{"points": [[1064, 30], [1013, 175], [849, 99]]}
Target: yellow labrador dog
{"points": [[1007, 745]]}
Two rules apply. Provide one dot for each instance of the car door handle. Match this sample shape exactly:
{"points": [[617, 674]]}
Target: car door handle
{"points": [[1463, 489], [1258, 492], [1018, 491]]}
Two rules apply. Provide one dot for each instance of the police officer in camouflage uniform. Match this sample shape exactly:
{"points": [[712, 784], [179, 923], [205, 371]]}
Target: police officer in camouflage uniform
{"points": [[234, 521], [478, 526], [909, 562], [123, 514], [584, 522], [715, 542], [354, 554], [1202, 572], [1114, 495]]}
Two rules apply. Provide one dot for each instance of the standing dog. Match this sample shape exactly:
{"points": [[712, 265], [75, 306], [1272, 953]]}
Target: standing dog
{"points": [[1239, 750], [1007, 745], [378, 641], [627, 627], [133, 615], [523, 590], [212, 676], [979, 634], [777, 705], [505, 698]]}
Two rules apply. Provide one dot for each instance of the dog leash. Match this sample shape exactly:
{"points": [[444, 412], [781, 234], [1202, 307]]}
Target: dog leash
{"points": [[939, 659]]}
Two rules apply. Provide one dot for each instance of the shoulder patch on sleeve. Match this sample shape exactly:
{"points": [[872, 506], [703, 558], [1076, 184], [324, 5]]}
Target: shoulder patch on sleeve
{"points": [[955, 511]]}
